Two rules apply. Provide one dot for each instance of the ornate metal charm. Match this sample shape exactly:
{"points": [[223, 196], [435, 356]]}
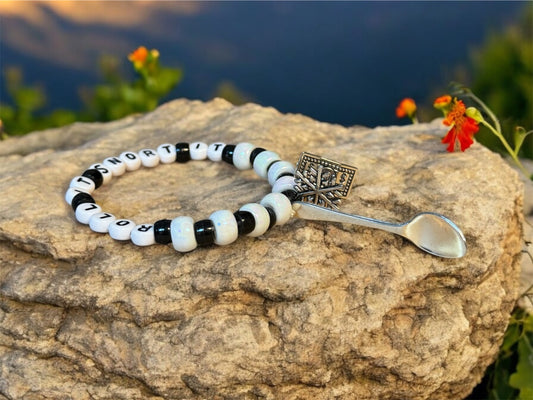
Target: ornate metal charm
{"points": [[323, 182]]}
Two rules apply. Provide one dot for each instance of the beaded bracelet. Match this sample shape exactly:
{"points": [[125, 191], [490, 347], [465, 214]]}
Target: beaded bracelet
{"points": [[312, 190], [221, 228]]}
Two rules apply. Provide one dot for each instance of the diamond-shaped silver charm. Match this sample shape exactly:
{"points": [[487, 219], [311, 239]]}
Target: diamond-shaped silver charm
{"points": [[323, 182]]}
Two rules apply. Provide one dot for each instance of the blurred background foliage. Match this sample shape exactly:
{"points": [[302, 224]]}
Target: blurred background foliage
{"points": [[502, 76]]}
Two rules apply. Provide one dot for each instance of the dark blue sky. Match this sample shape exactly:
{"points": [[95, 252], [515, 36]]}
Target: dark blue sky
{"points": [[341, 62]]}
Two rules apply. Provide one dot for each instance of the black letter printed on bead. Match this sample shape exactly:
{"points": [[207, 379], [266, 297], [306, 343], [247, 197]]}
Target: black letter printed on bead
{"points": [[162, 231], [245, 222], [183, 153], [204, 232], [122, 222]]}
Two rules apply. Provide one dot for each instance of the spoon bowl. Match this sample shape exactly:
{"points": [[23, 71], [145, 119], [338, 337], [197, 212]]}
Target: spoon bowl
{"points": [[435, 234]]}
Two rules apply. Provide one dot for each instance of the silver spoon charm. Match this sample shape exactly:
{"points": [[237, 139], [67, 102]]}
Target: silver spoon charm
{"points": [[322, 183], [431, 232]]}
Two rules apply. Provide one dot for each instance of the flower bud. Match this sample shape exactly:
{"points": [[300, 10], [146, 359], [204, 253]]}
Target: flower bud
{"points": [[406, 108], [475, 114], [443, 103]]}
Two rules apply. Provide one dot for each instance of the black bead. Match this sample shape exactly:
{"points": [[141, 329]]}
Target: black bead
{"points": [[183, 153], [271, 164], [272, 217], [255, 152], [162, 231], [227, 153], [286, 174], [245, 221], [95, 176], [81, 198], [292, 195], [204, 232]]}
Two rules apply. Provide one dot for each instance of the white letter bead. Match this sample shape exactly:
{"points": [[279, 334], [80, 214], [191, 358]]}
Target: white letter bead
{"points": [[226, 230], [182, 234], [116, 165], [283, 183], [149, 158], [214, 151], [263, 161], [121, 229], [71, 192], [280, 204], [277, 169], [261, 217], [198, 151], [132, 160], [106, 172], [143, 235], [167, 153], [83, 183], [100, 222], [85, 211], [241, 155]]}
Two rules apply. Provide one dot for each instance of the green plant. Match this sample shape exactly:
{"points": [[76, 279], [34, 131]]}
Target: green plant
{"points": [[510, 376], [113, 99], [22, 117], [117, 97]]}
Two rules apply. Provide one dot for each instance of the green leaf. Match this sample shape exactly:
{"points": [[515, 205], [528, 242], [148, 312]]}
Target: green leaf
{"points": [[512, 335], [519, 135], [522, 378]]}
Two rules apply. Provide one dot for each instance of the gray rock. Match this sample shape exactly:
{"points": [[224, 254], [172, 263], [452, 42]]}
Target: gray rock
{"points": [[310, 310]]}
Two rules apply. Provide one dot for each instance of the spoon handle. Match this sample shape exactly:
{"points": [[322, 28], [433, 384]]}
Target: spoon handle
{"points": [[317, 213]]}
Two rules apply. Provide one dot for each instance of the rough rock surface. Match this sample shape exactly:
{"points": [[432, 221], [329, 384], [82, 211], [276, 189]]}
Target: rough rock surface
{"points": [[311, 310]]}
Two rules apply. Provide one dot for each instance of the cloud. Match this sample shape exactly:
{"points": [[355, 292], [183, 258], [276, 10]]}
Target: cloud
{"points": [[43, 29]]}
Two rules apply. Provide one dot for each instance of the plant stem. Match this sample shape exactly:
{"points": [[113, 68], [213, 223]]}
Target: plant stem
{"points": [[487, 110], [513, 155]]}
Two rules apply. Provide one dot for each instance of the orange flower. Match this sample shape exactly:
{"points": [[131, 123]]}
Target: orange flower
{"points": [[462, 126], [442, 102], [406, 108], [139, 55]]}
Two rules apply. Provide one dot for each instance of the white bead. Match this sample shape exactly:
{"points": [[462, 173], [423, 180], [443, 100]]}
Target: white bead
{"points": [[283, 183], [120, 229], [132, 160], [214, 151], [198, 151], [261, 217], [83, 183], [149, 158], [280, 204], [226, 230], [100, 222], [106, 172], [167, 153], [263, 161], [85, 211], [241, 155], [279, 168], [143, 235], [116, 165], [182, 234], [71, 192]]}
